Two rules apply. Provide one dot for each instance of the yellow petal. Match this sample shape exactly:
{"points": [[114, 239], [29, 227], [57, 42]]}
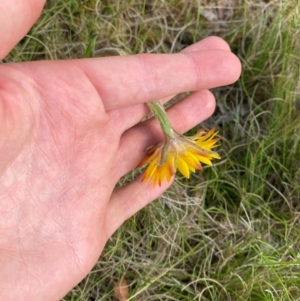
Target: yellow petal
{"points": [[214, 155], [190, 161], [197, 165], [155, 178], [204, 160], [164, 171], [207, 145], [183, 167]]}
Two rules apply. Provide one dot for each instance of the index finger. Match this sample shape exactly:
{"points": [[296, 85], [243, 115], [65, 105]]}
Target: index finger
{"points": [[128, 80]]}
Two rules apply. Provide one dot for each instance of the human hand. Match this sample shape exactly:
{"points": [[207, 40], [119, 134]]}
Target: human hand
{"points": [[68, 131]]}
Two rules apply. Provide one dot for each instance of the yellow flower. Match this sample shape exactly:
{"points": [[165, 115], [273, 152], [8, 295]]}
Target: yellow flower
{"points": [[184, 153]]}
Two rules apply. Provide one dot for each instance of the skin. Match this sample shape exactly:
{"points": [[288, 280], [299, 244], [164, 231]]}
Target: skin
{"points": [[68, 131]]}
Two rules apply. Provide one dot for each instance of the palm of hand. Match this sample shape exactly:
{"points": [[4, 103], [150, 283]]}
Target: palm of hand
{"points": [[70, 148], [68, 139], [55, 192]]}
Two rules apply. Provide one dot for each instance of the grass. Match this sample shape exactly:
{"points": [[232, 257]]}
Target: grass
{"points": [[232, 232]]}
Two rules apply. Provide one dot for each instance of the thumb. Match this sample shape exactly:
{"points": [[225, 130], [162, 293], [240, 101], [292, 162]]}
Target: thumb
{"points": [[17, 17]]}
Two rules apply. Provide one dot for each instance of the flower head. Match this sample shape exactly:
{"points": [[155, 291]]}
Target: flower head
{"points": [[178, 151]]}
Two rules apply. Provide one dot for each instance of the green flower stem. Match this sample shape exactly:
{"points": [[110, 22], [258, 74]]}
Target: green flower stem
{"points": [[159, 112]]}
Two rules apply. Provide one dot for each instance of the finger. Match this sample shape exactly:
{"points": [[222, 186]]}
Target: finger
{"points": [[127, 117], [128, 200], [125, 81], [16, 20], [183, 115]]}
